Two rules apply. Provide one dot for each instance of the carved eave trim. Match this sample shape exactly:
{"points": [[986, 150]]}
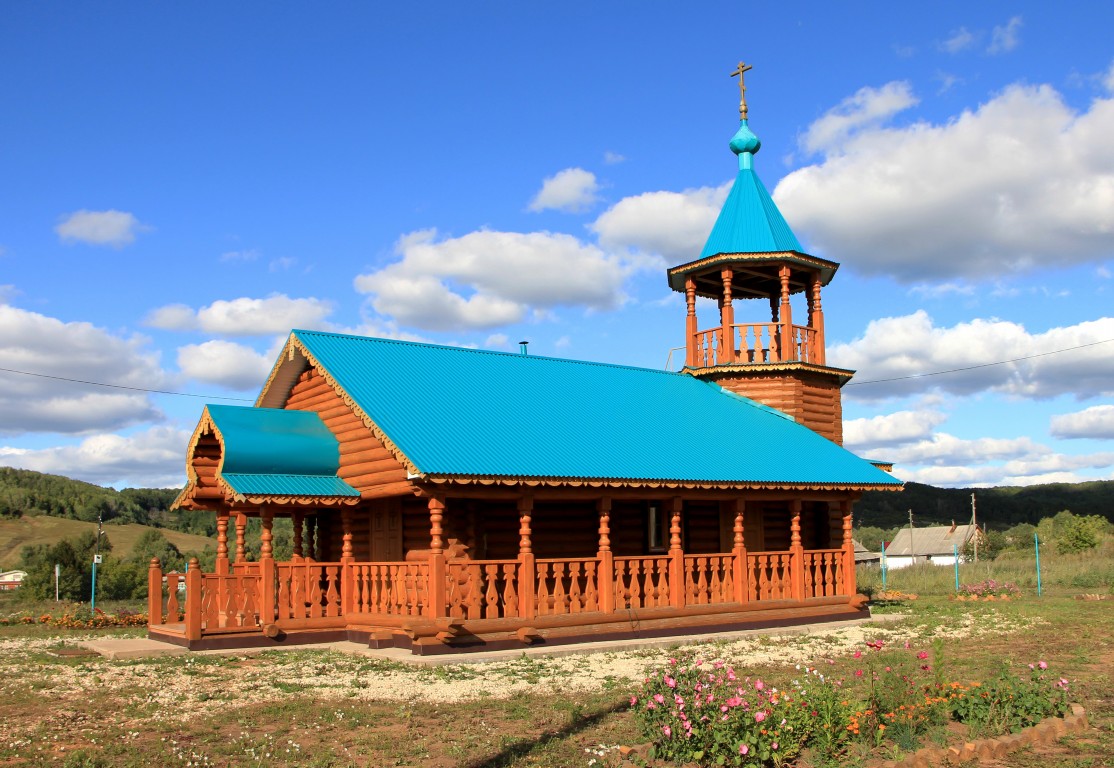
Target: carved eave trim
{"points": [[205, 424], [284, 499], [749, 369], [642, 484], [295, 343], [826, 268]]}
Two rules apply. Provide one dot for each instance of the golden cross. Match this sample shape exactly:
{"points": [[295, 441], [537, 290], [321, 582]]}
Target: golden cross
{"points": [[740, 71]]}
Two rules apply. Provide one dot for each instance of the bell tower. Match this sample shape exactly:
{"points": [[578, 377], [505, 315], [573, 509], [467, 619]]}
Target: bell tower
{"points": [[752, 263]]}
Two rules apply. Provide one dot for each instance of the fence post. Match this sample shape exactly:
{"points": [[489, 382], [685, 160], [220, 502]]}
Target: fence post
{"points": [[739, 551], [154, 593], [797, 553], [605, 565], [527, 570], [193, 600], [676, 556], [1037, 545]]}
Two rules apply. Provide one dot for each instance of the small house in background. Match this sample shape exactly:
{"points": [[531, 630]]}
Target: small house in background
{"points": [[936, 545], [10, 580], [864, 556]]}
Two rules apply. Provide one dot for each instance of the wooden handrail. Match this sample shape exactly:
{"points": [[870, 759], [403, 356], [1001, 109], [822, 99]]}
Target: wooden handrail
{"points": [[756, 343]]}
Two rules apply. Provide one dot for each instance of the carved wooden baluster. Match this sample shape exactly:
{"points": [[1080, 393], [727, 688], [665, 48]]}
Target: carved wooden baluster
{"points": [[591, 589], [314, 579], [575, 594], [715, 585], [332, 596], [173, 616], [510, 594], [560, 593]]}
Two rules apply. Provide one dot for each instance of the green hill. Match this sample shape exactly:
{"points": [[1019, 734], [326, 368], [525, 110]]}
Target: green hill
{"points": [[998, 508], [17, 533]]}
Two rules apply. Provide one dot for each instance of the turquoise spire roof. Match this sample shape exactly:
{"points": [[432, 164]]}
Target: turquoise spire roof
{"points": [[749, 221]]}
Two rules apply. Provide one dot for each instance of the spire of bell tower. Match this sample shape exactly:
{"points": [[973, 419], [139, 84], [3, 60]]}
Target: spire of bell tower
{"points": [[751, 253]]}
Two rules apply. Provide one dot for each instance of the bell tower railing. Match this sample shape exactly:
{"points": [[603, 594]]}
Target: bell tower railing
{"points": [[756, 343]]}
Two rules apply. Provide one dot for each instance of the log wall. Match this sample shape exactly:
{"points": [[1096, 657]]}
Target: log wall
{"points": [[810, 398], [365, 463]]}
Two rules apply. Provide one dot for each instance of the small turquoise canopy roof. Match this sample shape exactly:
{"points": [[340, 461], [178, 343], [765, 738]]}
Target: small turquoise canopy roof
{"points": [[749, 221], [268, 451]]}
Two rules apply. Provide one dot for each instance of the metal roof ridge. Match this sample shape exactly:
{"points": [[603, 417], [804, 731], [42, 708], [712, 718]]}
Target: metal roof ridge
{"points": [[495, 352]]}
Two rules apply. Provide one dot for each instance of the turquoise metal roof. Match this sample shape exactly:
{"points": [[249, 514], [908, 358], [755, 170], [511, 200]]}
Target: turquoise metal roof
{"points": [[288, 485], [749, 221], [269, 451], [454, 411]]}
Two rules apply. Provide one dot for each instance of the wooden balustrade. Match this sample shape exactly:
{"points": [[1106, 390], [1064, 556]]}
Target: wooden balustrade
{"points": [[482, 589], [398, 589], [305, 590], [770, 576], [308, 590], [230, 602], [641, 582], [709, 579], [823, 571], [566, 586], [755, 343]]}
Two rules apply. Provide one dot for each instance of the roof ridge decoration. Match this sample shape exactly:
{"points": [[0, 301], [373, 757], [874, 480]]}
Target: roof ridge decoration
{"points": [[749, 221]]}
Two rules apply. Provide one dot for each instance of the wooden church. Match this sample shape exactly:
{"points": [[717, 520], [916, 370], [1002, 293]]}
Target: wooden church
{"points": [[447, 499]]}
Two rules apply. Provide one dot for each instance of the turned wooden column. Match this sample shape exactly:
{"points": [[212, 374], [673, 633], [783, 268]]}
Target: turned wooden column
{"points": [[311, 544], [605, 567], [739, 551], [438, 584], [296, 520], [691, 328], [797, 552], [268, 593], [527, 570], [816, 322], [241, 528], [849, 586], [676, 555], [221, 565], [347, 577], [727, 319], [786, 351]]}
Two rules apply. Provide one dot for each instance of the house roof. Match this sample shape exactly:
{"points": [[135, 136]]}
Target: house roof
{"points": [[456, 413], [749, 221], [937, 540]]}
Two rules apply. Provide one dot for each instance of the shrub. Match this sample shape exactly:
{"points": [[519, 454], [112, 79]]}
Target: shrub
{"points": [[1009, 703]]}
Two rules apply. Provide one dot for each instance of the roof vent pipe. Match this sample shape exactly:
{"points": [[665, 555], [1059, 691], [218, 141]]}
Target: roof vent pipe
{"points": [[522, 347]]}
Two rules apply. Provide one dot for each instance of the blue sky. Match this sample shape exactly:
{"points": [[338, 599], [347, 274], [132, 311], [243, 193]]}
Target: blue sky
{"points": [[183, 183]]}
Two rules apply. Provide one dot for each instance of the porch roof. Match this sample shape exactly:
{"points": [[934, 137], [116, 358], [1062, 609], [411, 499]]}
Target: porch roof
{"points": [[273, 452], [454, 412]]}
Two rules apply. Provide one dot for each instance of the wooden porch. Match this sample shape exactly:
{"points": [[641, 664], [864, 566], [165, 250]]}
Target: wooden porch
{"points": [[433, 603]]}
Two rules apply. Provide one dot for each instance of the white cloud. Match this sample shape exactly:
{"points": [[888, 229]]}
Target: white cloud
{"points": [[226, 363], [866, 108], [115, 228], [1005, 38], [912, 346], [673, 225], [1094, 422], [487, 279], [1108, 79], [890, 429], [939, 290], [497, 341], [1021, 183], [959, 40], [573, 189], [44, 345], [154, 458], [612, 158], [245, 316]]}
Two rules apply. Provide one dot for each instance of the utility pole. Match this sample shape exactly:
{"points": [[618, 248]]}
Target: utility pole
{"points": [[912, 551], [96, 562], [975, 522]]}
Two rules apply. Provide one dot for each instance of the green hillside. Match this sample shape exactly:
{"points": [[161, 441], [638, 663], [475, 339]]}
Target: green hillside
{"points": [[998, 508], [17, 533]]}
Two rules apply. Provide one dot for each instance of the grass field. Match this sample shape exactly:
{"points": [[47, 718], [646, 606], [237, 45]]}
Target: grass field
{"points": [[324, 708], [42, 529]]}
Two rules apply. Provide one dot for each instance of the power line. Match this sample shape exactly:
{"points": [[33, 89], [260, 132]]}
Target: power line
{"points": [[121, 386], [981, 365]]}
